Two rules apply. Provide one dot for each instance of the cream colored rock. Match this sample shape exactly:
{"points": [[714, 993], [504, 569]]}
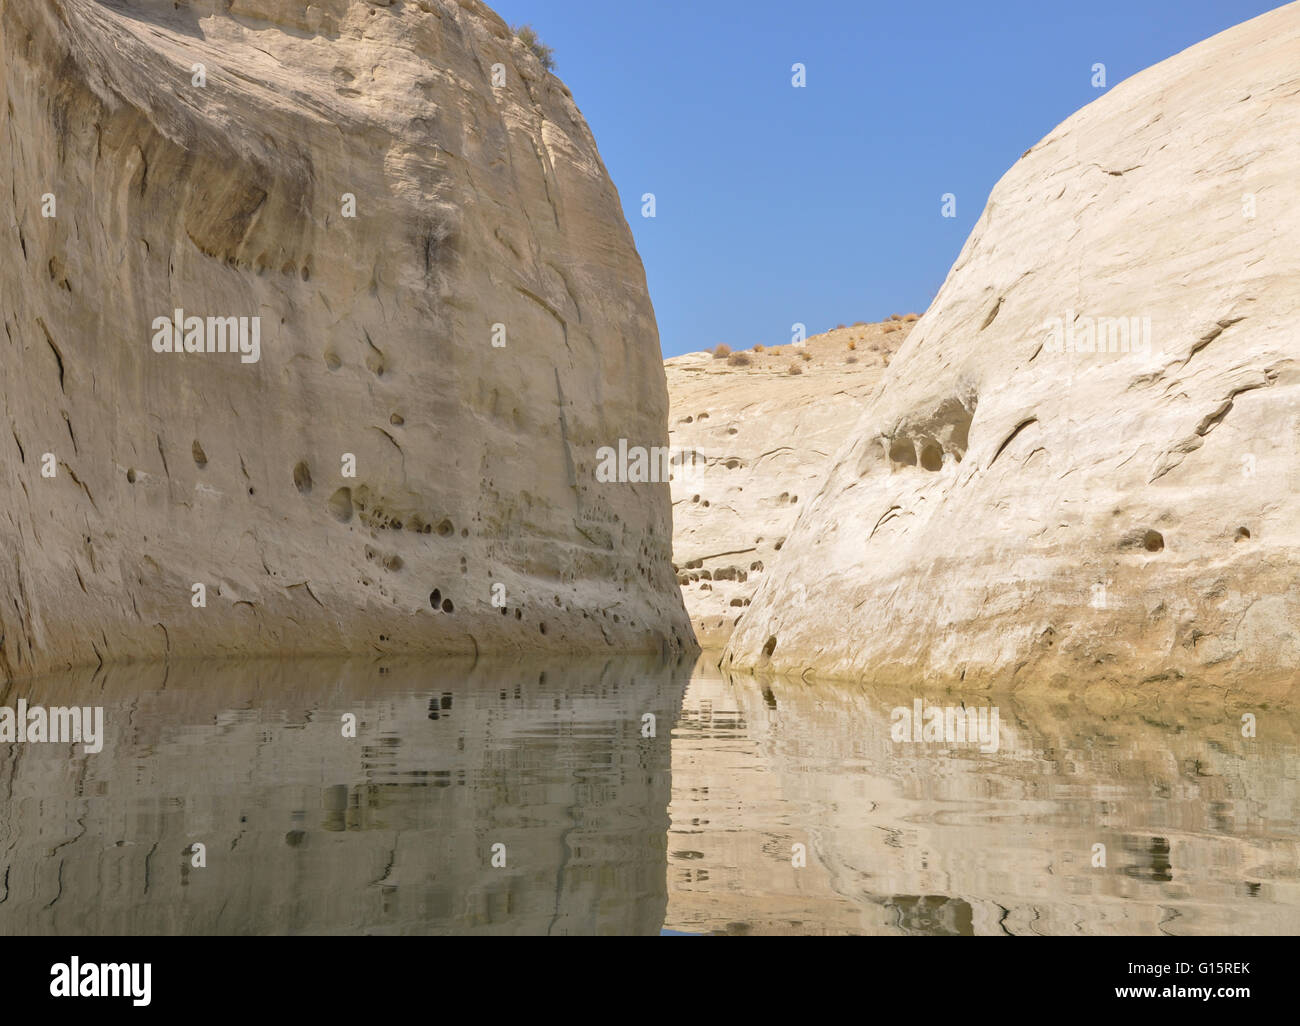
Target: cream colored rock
{"points": [[205, 157], [754, 441], [1006, 514]]}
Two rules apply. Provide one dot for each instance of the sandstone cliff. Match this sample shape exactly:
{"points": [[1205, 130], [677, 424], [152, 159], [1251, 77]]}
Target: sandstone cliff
{"points": [[755, 432], [469, 338], [1042, 496]]}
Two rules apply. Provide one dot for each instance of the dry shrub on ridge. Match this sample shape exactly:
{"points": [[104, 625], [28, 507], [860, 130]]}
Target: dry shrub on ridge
{"points": [[527, 35]]}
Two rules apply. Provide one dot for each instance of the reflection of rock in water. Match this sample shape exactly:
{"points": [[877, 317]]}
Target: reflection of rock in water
{"points": [[309, 832], [1152, 858], [1198, 823], [932, 914]]}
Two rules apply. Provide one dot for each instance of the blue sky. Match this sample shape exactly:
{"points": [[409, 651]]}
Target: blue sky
{"points": [[822, 205]]}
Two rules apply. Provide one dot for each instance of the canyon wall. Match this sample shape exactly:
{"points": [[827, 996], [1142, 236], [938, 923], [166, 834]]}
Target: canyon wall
{"points": [[1083, 465], [753, 434], [443, 317]]}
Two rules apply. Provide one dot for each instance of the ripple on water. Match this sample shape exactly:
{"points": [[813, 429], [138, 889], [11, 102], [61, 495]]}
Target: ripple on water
{"points": [[628, 796]]}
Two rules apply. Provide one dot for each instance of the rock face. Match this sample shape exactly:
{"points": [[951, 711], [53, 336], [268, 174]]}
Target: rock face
{"points": [[756, 441], [1022, 505], [468, 340]]}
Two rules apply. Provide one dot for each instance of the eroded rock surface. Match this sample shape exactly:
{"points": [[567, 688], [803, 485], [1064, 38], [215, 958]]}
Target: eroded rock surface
{"points": [[475, 206], [752, 441], [1012, 512]]}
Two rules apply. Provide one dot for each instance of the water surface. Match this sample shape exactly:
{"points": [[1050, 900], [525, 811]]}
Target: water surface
{"points": [[630, 796]]}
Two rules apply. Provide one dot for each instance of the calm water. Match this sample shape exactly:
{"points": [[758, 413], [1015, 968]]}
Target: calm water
{"points": [[630, 797]]}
